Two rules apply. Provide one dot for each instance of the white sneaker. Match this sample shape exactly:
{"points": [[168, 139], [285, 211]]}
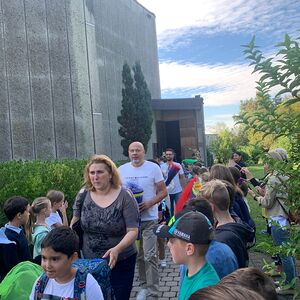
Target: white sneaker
{"points": [[163, 263], [141, 294]]}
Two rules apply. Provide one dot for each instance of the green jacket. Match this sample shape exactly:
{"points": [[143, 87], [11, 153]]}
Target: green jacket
{"points": [[275, 191], [38, 234]]}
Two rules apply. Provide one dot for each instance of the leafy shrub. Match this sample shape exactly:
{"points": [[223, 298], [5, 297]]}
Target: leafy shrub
{"points": [[32, 179]]}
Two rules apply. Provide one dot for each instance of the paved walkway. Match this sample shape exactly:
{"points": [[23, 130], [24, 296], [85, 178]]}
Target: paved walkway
{"points": [[169, 277]]}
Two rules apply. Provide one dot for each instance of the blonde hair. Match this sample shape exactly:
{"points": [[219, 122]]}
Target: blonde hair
{"points": [[110, 167], [204, 176], [215, 191], [36, 207]]}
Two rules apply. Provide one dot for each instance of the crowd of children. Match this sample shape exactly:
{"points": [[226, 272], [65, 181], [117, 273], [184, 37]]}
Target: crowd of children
{"points": [[209, 237]]}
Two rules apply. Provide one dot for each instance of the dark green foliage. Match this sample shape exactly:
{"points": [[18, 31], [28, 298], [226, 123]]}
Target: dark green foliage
{"points": [[32, 179], [223, 145], [279, 118], [136, 114]]}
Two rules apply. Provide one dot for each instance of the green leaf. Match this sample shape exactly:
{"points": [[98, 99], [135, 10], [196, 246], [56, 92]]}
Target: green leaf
{"points": [[283, 91], [295, 83]]}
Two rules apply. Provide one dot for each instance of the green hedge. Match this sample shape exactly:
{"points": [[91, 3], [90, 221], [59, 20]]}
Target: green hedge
{"points": [[32, 179]]}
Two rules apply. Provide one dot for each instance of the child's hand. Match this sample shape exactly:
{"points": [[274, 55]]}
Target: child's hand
{"points": [[251, 192], [113, 254], [260, 190], [231, 163], [64, 206], [245, 171]]}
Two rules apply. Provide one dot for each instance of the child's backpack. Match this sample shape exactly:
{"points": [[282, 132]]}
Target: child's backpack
{"points": [[17, 284], [79, 287], [100, 270]]}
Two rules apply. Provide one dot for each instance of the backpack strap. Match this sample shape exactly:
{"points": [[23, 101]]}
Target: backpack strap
{"points": [[80, 199], [40, 286], [80, 285]]}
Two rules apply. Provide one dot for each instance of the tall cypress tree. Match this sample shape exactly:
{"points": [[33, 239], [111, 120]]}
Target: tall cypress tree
{"points": [[136, 113]]}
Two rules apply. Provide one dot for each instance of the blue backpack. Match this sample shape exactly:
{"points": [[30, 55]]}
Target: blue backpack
{"points": [[79, 287], [98, 268]]}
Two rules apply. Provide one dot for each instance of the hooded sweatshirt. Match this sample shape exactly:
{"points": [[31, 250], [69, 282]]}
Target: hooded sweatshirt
{"points": [[236, 236], [39, 232], [8, 254]]}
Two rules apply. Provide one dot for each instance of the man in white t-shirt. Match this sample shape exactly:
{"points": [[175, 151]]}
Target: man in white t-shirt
{"points": [[149, 177], [179, 181]]}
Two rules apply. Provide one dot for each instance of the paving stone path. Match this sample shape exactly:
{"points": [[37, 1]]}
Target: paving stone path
{"points": [[169, 277]]}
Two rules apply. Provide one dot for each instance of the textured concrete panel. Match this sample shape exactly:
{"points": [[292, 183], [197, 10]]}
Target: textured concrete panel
{"points": [[125, 31], [61, 79], [18, 79], [5, 138], [79, 68], [93, 60], [40, 81], [61, 74]]}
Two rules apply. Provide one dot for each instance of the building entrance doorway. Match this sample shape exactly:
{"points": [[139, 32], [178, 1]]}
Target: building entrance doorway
{"points": [[168, 136]]}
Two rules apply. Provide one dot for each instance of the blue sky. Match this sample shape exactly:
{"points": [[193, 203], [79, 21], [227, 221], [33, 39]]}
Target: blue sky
{"points": [[199, 46]]}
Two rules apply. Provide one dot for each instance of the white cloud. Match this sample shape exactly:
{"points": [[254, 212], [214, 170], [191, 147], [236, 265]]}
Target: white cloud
{"points": [[211, 122], [175, 18], [217, 84], [177, 23]]}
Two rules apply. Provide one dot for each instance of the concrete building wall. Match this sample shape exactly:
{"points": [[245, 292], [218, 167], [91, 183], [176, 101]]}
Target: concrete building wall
{"points": [[125, 31], [60, 74]]}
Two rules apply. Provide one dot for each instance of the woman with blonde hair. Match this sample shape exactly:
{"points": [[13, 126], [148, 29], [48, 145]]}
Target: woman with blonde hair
{"points": [[109, 218]]}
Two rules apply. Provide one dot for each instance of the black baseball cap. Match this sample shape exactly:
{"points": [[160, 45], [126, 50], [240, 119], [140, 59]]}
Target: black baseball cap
{"points": [[193, 227]]}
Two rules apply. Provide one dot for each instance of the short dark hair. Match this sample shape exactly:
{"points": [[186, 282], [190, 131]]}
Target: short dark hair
{"points": [[224, 292], [170, 149], [202, 205], [253, 279], [153, 161], [15, 205], [237, 152], [62, 239]]}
